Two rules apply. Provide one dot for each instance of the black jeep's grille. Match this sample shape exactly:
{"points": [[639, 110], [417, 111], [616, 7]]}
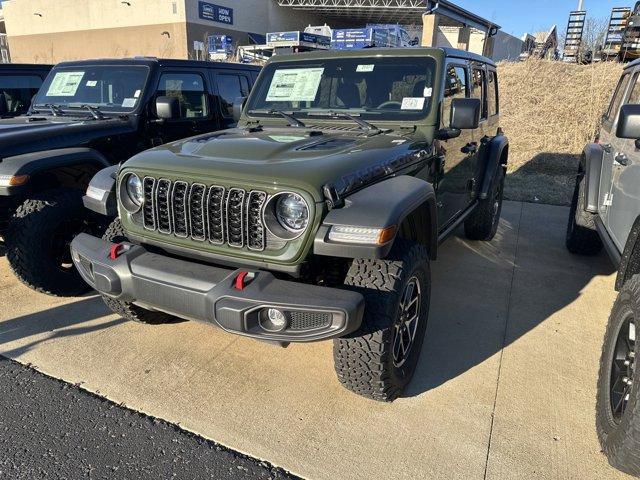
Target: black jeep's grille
{"points": [[221, 216]]}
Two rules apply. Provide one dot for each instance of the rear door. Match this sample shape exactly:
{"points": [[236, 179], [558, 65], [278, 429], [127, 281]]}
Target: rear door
{"points": [[612, 146], [625, 179], [191, 88], [230, 85]]}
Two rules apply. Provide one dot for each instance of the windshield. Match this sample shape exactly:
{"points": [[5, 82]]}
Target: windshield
{"points": [[108, 87], [377, 88]]}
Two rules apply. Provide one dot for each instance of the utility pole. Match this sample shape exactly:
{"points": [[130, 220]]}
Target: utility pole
{"points": [[580, 5]]}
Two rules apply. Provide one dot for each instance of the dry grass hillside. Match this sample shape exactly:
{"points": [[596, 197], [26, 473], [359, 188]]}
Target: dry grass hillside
{"points": [[549, 110]]}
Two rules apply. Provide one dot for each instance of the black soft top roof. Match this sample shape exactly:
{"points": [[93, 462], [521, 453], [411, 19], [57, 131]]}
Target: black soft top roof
{"points": [[166, 62]]}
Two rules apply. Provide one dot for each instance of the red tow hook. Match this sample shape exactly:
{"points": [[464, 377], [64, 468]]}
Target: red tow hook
{"points": [[239, 284], [116, 250]]}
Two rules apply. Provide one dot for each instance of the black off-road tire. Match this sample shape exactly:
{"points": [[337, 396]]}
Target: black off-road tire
{"points": [[129, 311], [483, 223], [364, 360], [38, 238], [620, 438], [582, 236]]}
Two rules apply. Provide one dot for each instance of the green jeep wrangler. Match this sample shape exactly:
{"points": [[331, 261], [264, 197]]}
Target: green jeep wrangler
{"points": [[317, 217]]}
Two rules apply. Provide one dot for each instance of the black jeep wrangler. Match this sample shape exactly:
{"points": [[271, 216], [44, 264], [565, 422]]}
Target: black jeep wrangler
{"points": [[18, 84], [87, 116], [318, 216]]}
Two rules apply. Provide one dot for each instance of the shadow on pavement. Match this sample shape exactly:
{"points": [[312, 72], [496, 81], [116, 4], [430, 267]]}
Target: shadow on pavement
{"points": [[486, 296], [61, 321]]}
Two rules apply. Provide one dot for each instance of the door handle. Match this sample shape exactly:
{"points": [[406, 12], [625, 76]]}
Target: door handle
{"points": [[470, 148], [621, 159]]}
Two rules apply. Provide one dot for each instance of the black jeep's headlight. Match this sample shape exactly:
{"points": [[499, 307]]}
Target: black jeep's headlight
{"points": [[131, 193], [292, 212]]}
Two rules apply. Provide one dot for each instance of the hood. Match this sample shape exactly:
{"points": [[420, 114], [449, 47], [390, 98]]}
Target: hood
{"points": [[25, 134], [294, 157]]}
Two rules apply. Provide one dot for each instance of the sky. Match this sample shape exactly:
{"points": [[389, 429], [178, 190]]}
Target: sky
{"points": [[528, 16]]}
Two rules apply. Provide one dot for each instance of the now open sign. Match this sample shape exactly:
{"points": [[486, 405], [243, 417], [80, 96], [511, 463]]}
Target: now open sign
{"points": [[215, 13]]}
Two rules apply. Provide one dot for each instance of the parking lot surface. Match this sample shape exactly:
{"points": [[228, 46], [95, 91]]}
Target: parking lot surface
{"points": [[505, 387]]}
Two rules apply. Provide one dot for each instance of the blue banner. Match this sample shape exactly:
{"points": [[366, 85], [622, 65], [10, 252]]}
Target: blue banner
{"points": [[215, 13]]}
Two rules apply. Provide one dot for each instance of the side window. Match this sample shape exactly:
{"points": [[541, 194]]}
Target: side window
{"points": [[190, 91], [492, 94], [230, 87], [456, 86], [478, 90], [616, 100], [634, 97], [18, 90]]}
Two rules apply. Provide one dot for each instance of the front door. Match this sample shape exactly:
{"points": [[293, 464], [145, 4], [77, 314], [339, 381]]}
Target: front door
{"points": [[625, 179], [612, 146], [457, 154], [196, 115]]}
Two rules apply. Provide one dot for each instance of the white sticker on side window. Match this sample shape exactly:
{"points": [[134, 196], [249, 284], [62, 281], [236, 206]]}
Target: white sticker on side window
{"points": [[129, 102], [65, 84], [295, 85], [413, 103], [365, 68]]}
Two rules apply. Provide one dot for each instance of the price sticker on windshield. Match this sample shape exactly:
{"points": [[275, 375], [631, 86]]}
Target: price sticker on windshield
{"points": [[412, 103], [65, 84], [295, 85]]}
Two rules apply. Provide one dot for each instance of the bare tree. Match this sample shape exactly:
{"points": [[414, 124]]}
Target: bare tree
{"points": [[594, 33]]}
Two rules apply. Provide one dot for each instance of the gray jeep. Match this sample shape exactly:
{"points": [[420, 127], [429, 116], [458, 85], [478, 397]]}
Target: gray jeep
{"points": [[606, 212], [317, 217]]}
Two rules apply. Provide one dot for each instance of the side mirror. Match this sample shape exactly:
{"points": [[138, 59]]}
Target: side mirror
{"points": [[465, 113], [629, 122], [168, 108], [238, 105]]}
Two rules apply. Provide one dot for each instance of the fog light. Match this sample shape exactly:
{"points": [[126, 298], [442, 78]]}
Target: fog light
{"points": [[273, 320]]}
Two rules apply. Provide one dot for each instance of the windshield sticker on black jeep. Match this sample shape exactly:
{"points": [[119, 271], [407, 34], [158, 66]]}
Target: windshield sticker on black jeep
{"points": [[295, 85], [365, 68], [65, 84], [412, 103]]}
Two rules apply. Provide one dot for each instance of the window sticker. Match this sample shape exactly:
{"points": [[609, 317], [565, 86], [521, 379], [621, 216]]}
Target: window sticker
{"points": [[413, 103], [92, 83], [365, 68], [129, 102], [428, 91], [137, 94], [65, 84], [295, 85]]}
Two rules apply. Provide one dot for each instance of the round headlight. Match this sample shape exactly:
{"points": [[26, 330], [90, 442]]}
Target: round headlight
{"points": [[292, 212], [134, 189]]}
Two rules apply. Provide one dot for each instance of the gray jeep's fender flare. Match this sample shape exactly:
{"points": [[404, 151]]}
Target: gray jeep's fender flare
{"points": [[497, 153], [384, 204], [39, 163], [590, 166]]}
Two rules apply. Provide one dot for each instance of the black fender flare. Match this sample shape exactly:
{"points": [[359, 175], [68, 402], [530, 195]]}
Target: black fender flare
{"points": [[630, 258], [591, 167], [31, 164], [382, 205], [101, 192], [495, 149]]}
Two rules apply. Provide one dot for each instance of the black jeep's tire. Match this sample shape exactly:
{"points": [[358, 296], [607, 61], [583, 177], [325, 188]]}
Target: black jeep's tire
{"points": [[38, 239], [582, 236], [483, 223], [619, 431], [364, 360], [129, 311]]}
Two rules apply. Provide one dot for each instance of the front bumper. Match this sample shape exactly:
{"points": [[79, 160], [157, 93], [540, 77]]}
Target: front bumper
{"points": [[209, 294]]}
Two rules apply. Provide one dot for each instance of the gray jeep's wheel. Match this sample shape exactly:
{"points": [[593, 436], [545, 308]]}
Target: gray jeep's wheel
{"points": [[482, 224], [378, 360], [582, 236], [129, 311], [618, 402], [38, 240]]}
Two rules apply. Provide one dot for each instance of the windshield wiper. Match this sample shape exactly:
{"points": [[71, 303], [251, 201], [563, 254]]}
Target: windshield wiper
{"points": [[363, 124], [95, 113], [56, 111], [293, 121]]}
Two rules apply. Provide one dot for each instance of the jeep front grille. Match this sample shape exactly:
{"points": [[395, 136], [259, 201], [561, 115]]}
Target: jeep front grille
{"points": [[216, 214]]}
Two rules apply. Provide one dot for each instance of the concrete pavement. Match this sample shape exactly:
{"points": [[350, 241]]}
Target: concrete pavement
{"points": [[505, 387]]}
